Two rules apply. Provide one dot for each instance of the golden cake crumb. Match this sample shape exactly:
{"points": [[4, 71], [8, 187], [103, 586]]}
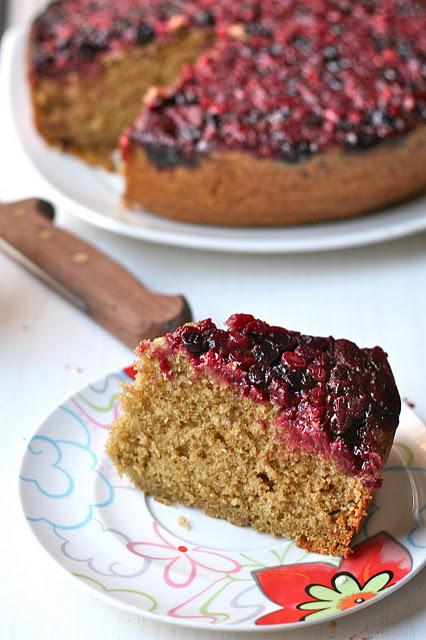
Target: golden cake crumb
{"points": [[184, 523]]}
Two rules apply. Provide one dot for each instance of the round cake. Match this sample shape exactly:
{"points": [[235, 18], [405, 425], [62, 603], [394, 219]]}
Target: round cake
{"points": [[244, 113]]}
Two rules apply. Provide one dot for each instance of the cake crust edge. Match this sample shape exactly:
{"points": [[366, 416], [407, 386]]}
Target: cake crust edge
{"points": [[237, 189]]}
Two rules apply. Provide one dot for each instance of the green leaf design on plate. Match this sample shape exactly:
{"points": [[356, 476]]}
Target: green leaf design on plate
{"points": [[204, 608], [252, 561], [153, 606], [108, 407], [280, 556]]}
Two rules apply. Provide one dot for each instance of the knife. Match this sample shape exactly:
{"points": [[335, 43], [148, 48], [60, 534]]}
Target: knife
{"points": [[87, 278], [3, 16]]}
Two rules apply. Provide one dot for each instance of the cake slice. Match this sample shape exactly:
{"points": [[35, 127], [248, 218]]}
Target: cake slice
{"points": [[261, 426]]}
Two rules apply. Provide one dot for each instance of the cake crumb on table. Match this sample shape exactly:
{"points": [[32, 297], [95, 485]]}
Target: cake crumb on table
{"points": [[73, 368]]}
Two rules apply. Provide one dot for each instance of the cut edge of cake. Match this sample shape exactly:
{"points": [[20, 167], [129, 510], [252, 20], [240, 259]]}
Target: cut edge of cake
{"points": [[84, 112]]}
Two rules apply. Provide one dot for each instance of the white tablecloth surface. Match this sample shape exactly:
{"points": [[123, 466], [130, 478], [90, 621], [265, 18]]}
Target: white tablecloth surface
{"points": [[49, 350]]}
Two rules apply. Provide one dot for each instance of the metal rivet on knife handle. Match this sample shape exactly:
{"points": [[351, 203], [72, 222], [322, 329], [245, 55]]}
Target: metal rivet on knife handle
{"points": [[46, 209], [80, 257], [46, 234]]}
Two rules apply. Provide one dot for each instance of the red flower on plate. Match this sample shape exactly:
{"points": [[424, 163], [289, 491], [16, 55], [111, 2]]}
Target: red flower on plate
{"points": [[130, 372], [315, 590]]}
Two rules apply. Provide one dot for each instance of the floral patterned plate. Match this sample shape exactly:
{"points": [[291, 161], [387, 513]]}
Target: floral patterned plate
{"points": [[175, 564]]}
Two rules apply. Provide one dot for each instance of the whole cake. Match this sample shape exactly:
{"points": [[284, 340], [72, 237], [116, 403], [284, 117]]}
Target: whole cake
{"points": [[269, 111], [262, 426]]}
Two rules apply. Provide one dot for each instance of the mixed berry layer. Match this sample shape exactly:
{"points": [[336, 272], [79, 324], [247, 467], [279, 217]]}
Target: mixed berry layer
{"points": [[299, 78], [284, 80], [333, 398], [74, 34]]}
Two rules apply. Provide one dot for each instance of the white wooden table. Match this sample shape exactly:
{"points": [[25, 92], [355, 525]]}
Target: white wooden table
{"points": [[48, 350]]}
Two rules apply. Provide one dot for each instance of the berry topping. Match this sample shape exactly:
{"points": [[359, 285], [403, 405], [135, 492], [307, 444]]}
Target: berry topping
{"points": [[283, 80], [70, 33], [144, 34], [299, 78], [333, 397], [204, 18], [194, 341]]}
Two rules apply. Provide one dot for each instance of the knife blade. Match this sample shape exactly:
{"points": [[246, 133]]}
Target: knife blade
{"points": [[91, 281]]}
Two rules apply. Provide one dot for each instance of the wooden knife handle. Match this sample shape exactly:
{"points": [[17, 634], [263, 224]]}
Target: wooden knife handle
{"points": [[112, 297]]}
